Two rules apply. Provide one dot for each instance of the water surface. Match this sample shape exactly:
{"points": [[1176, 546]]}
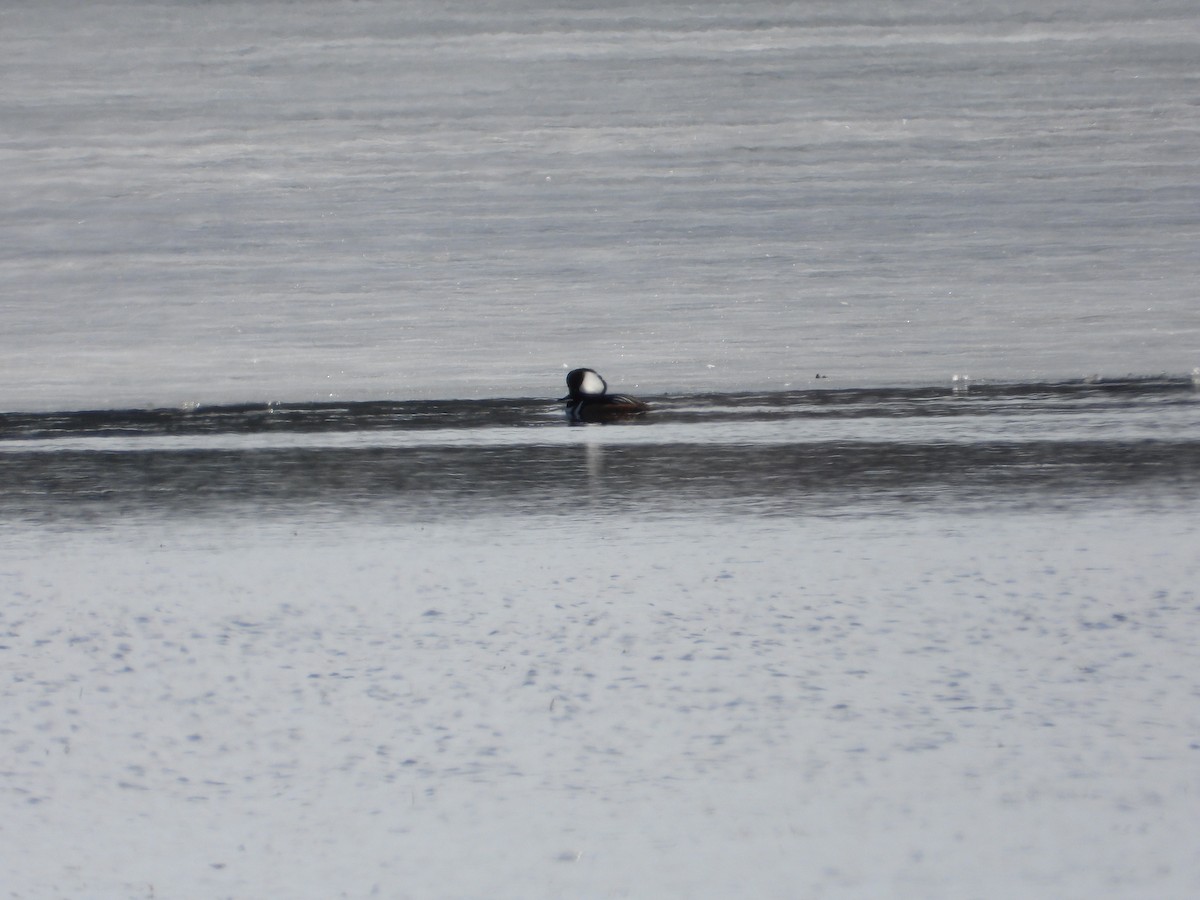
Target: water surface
{"points": [[782, 453]]}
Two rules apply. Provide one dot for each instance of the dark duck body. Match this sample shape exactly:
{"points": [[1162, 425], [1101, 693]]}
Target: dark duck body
{"points": [[588, 399]]}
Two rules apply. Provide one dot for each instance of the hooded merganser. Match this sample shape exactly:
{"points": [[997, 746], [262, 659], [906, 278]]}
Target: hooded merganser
{"points": [[589, 400]]}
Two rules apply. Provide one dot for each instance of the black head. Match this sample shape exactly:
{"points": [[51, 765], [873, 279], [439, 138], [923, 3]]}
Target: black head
{"points": [[585, 383]]}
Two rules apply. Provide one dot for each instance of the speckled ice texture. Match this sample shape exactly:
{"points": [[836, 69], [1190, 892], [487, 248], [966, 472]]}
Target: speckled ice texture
{"points": [[930, 705]]}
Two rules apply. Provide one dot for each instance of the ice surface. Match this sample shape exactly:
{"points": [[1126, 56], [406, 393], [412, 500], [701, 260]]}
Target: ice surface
{"points": [[938, 705], [297, 201]]}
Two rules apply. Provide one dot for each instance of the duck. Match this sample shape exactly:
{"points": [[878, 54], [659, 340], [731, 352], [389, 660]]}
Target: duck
{"points": [[588, 399]]}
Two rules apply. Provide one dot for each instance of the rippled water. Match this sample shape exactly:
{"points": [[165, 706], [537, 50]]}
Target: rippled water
{"points": [[784, 453]]}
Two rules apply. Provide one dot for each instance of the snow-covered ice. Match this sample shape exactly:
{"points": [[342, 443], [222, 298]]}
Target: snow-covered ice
{"points": [[937, 705]]}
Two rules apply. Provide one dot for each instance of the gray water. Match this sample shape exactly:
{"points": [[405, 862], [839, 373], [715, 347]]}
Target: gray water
{"points": [[309, 589], [856, 452]]}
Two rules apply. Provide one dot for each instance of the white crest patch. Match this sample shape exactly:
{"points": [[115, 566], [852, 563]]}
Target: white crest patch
{"points": [[592, 383]]}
